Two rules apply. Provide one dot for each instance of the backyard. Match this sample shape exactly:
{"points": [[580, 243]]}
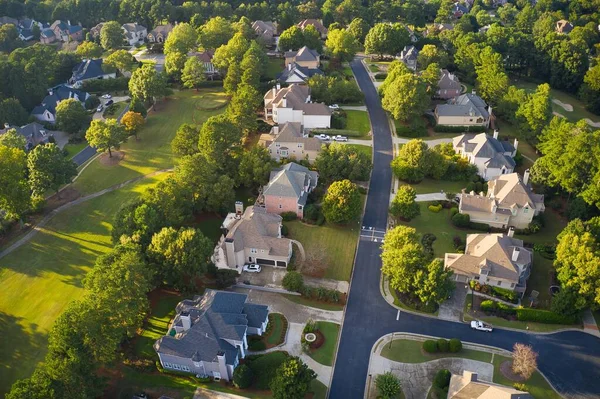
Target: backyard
{"points": [[358, 121], [435, 186], [274, 67], [326, 352]]}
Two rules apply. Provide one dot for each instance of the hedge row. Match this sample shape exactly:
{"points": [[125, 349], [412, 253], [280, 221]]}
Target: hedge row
{"points": [[544, 316], [442, 345]]}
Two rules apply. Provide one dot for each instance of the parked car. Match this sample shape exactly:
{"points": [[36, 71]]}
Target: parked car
{"points": [[334, 106], [481, 326], [99, 109], [252, 268], [323, 137], [109, 102], [107, 96], [340, 138]]}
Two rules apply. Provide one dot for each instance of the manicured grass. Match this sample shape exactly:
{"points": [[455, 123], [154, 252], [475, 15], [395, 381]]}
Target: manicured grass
{"points": [[156, 324], [547, 235], [276, 329], [373, 68], [347, 72], [115, 110], [427, 186], [339, 240], [325, 353], [358, 121], [264, 368], [410, 351], [40, 278], [300, 300], [368, 150], [319, 389], [540, 280], [536, 385], [74, 149], [153, 149], [274, 67]]}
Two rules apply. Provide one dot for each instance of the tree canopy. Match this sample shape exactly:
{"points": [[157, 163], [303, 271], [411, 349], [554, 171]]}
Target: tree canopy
{"points": [[342, 202], [105, 135]]}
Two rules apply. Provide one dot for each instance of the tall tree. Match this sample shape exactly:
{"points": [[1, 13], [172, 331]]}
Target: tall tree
{"points": [[12, 139], [146, 83], [339, 162], [89, 50], [342, 202], [180, 41], [122, 60], [405, 97], [132, 122], [292, 379], [492, 81], [12, 112], [186, 140], [341, 45], [193, 73], [105, 135], [232, 78], [71, 116], [255, 166], [404, 205], [9, 38], [49, 169], [312, 38], [433, 284], [14, 190], [215, 33], [219, 141], [232, 52], [291, 39], [384, 38], [431, 54], [402, 257], [359, 29], [536, 111], [111, 35]]}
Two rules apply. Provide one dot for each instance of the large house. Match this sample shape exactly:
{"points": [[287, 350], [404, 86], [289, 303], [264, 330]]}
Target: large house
{"points": [[499, 260], [288, 189], [160, 33], [33, 132], [448, 85], [134, 33], [252, 236], [265, 32], [465, 110], [47, 36], [295, 73], [468, 386], [96, 30], [25, 28], [491, 156], [208, 336], [317, 24], [89, 70], [293, 104], [408, 56], [46, 111], [304, 57], [437, 28], [288, 141], [509, 202], [65, 32]]}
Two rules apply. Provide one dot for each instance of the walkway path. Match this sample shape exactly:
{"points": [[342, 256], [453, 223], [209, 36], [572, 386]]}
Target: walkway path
{"points": [[430, 197], [35, 229], [354, 107]]}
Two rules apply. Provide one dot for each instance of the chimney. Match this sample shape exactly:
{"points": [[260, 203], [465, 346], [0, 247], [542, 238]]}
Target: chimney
{"points": [[516, 144], [284, 102], [470, 376], [473, 92], [526, 177], [490, 110], [230, 253], [496, 134], [275, 130], [290, 66], [515, 254], [239, 207], [274, 91], [186, 321], [511, 231], [278, 86], [222, 365]]}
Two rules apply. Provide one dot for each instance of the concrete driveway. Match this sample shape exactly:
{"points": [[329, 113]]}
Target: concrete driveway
{"points": [[452, 309]]}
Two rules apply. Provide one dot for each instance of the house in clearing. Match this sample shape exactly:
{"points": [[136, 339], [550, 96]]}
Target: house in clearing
{"points": [[46, 111], [509, 202], [90, 70], [288, 141], [491, 156], [208, 336], [266, 31], [317, 24], [499, 260], [293, 104], [304, 57], [465, 110], [448, 85], [469, 386], [295, 73]]}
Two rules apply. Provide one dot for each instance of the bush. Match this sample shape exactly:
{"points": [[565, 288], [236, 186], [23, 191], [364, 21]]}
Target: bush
{"points": [[479, 226], [311, 213], [454, 345], [430, 346], [534, 226], [520, 386], [211, 270], [435, 208], [242, 376], [262, 126], [407, 131], [488, 306], [339, 120], [461, 220], [255, 343], [381, 75], [293, 281], [427, 241], [226, 278], [442, 379], [544, 316], [442, 345], [453, 211], [284, 230], [505, 294], [289, 216], [102, 85], [459, 244]]}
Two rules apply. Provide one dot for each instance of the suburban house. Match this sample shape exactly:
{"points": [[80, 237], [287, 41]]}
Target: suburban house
{"points": [[95, 31], [509, 202], [33, 132], [499, 260], [468, 386], [88, 70], [65, 32], [317, 24], [160, 33], [206, 58], [288, 189], [265, 32], [25, 28], [458, 10], [437, 28], [208, 335], [465, 110], [491, 156], [134, 33], [304, 57], [288, 141], [252, 236], [46, 111], [448, 85], [47, 36], [409, 57], [563, 26], [293, 104], [295, 73]]}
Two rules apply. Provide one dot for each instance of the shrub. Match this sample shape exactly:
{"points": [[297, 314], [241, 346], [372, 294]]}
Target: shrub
{"points": [[226, 278], [311, 212], [454, 345], [293, 281], [427, 241], [442, 345], [459, 244], [520, 386], [102, 85], [211, 270], [388, 385], [406, 131], [255, 343], [430, 346], [362, 190], [242, 376], [381, 75], [453, 211], [544, 316], [534, 226], [289, 216], [442, 378], [488, 306], [461, 220], [339, 120], [435, 208], [505, 294], [284, 230], [310, 327], [479, 226]]}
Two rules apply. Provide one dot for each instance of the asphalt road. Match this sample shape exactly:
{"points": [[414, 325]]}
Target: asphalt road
{"points": [[571, 360]]}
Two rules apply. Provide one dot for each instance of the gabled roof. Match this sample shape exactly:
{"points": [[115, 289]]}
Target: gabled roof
{"points": [[161, 30], [259, 230], [291, 132], [290, 181], [303, 55], [510, 190], [264, 28], [483, 146], [409, 53], [448, 81], [56, 95], [133, 27], [301, 72], [564, 26], [314, 22], [206, 56], [296, 97], [468, 386], [74, 29], [464, 105], [88, 69], [48, 33]]}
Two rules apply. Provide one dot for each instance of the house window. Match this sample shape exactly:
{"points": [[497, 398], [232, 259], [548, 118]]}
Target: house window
{"points": [[512, 285], [168, 365], [280, 206], [499, 283], [253, 251], [217, 376], [526, 210], [299, 145]]}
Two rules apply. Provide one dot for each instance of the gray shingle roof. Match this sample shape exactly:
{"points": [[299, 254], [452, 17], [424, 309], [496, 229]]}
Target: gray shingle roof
{"points": [[58, 94], [290, 180], [88, 69], [464, 105], [409, 53], [304, 54], [483, 146], [300, 71]]}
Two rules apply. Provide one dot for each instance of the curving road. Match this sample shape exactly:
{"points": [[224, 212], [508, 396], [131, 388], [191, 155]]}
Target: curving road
{"points": [[570, 360]]}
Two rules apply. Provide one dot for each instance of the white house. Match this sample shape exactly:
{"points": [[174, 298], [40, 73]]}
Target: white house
{"points": [[134, 33], [46, 111], [289, 141], [293, 104], [491, 156]]}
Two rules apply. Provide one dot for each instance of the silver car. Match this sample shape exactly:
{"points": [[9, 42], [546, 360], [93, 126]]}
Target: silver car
{"points": [[252, 268]]}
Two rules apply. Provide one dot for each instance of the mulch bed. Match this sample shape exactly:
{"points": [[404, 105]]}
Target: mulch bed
{"points": [[117, 156], [67, 195], [319, 341], [506, 370]]}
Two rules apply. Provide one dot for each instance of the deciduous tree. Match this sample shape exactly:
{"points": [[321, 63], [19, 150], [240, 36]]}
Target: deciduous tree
{"points": [[431, 54], [292, 379], [341, 45], [71, 116], [12, 139], [524, 361], [123, 60], [359, 29], [132, 122], [291, 39], [215, 33], [404, 205], [105, 135], [384, 38], [193, 73], [242, 108], [402, 257], [433, 284], [146, 83], [14, 190], [186, 140], [536, 111], [410, 163], [255, 166], [111, 35], [405, 97], [338, 162], [49, 169], [12, 112], [342, 202], [89, 50]]}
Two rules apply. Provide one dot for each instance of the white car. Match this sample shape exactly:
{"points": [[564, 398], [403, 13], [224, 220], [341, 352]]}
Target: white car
{"points": [[99, 109], [323, 137], [334, 106], [340, 138], [252, 268], [107, 96], [481, 326]]}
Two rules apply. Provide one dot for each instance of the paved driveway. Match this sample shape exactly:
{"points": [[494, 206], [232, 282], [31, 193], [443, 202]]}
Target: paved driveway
{"points": [[452, 309]]}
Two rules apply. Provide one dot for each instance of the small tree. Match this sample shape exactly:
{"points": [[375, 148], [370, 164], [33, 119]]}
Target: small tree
{"points": [[293, 281], [49, 169], [71, 116], [132, 122], [12, 139], [193, 73], [242, 376], [524, 360], [404, 205], [342, 203], [292, 379], [104, 135], [388, 385], [89, 50]]}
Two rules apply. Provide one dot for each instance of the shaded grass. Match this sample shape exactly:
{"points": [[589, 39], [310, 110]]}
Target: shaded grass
{"points": [[277, 324], [339, 240], [540, 280], [365, 149], [300, 300], [358, 121], [74, 149], [318, 389], [274, 67], [325, 353], [264, 368], [536, 385], [427, 186], [410, 351], [114, 110]]}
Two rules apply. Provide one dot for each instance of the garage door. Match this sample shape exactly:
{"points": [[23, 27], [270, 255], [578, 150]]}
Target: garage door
{"points": [[281, 263], [265, 262]]}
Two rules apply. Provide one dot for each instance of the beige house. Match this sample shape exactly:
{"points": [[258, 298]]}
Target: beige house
{"points": [[499, 260], [317, 24], [288, 189], [289, 142], [293, 104], [448, 85], [468, 386], [265, 31], [465, 110], [304, 57], [491, 156], [509, 202], [252, 236], [160, 33]]}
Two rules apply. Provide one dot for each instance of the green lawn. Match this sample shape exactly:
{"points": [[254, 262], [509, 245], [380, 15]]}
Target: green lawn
{"points": [[40, 278], [547, 235], [319, 389], [374, 68], [368, 150], [300, 300], [540, 280], [326, 352], [347, 72], [536, 385], [276, 329], [274, 67], [410, 351], [113, 111], [358, 121], [153, 149], [435, 186], [264, 368], [74, 149], [339, 240]]}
